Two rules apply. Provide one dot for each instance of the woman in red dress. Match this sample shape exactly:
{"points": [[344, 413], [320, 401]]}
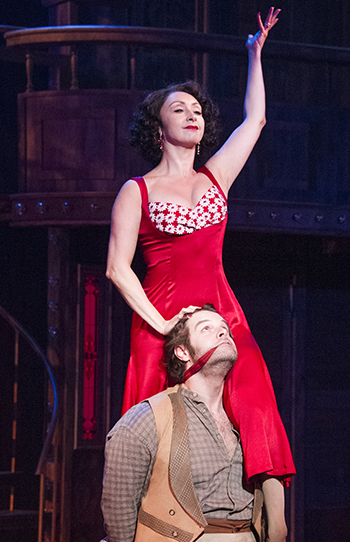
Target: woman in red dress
{"points": [[178, 216]]}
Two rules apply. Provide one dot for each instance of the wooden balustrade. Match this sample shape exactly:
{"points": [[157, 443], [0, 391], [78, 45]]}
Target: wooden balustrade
{"points": [[34, 40]]}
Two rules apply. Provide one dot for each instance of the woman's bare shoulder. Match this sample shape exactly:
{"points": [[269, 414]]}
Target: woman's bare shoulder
{"points": [[129, 194]]}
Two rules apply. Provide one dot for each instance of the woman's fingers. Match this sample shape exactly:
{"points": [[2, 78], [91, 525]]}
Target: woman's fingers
{"points": [[264, 29], [189, 309], [169, 324], [271, 19]]}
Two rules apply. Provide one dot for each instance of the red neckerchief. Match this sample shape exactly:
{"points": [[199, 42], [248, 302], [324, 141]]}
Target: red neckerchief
{"points": [[198, 364]]}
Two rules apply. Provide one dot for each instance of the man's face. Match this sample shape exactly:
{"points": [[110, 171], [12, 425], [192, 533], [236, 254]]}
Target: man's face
{"points": [[208, 329]]}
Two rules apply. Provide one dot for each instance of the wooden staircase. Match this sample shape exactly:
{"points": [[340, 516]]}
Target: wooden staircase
{"points": [[19, 523], [22, 484]]}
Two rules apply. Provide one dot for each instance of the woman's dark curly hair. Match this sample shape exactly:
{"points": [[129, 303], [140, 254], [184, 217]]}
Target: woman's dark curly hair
{"points": [[146, 123]]}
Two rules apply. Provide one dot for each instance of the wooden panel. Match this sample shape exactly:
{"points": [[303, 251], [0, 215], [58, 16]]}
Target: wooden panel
{"points": [[302, 156], [327, 405], [77, 141], [67, 142], [86, 515], [287, 140]]}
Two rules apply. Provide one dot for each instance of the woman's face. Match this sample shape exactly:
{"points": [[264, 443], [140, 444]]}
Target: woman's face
{"points": [[182, 120]]}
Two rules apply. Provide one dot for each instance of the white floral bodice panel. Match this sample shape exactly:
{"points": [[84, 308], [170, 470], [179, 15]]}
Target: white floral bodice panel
{"points": [[178, 220]]}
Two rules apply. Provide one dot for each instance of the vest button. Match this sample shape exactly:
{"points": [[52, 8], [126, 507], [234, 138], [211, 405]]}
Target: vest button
{"points": [[172, 512], [175, 534]]}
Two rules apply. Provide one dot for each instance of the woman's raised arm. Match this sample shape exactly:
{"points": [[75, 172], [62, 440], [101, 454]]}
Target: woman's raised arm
{"points": [[228, 161]]}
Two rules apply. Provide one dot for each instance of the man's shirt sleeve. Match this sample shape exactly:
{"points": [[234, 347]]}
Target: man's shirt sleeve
{"points": [[130, 452]]}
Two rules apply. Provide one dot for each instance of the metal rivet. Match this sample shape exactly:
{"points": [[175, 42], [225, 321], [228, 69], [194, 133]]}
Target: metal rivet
{"points": [[40, 208], [48, 484], [172, 512], [54, 282], [54, 238], [67, 207], [94, 207], [20, 209], [296, 217], [53, 307], [52, 331], [273, 216], [341, 219], [250, 214], [319, 218], [175, 534]]}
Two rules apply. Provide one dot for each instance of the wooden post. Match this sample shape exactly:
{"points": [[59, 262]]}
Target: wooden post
{"points": [[73, 64], [29, 72]]}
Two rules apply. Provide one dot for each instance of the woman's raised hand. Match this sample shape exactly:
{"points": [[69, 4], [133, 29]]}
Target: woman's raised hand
{"points": [[169, 324], [257, 41]]}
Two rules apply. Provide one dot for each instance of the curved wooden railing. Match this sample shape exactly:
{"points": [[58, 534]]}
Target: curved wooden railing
{"points": [[19, 55], [21, 331], [33, 41], [33, 38]]}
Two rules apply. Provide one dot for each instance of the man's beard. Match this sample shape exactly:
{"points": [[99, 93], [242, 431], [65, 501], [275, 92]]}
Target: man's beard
{"points": [[220, 362]]}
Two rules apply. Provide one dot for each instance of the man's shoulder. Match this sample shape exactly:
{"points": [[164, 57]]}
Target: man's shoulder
{"points": [[136, 418], [140, 418]]}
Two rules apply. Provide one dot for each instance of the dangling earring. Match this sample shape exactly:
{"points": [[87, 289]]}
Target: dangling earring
{"points": [[198, 147], [160, 143]]}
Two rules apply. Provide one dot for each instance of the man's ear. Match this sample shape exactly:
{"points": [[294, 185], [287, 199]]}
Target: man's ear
{"points": [[182, 353]]}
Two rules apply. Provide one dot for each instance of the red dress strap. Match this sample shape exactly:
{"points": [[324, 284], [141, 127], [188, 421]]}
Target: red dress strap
{"points": [[144, 192], [209, 174]]}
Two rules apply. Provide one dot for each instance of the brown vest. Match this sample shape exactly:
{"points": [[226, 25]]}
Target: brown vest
{"points": [[170, 508]]}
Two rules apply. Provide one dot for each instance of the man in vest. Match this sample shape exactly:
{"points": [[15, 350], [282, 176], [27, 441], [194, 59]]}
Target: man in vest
{"points": [[174, 463]]}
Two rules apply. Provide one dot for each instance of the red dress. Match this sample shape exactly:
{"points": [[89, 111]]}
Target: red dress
{"points": [[184, 267]]}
